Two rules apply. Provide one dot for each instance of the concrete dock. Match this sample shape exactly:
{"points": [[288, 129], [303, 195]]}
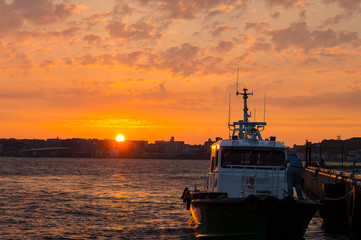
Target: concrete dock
{"points": [[339, 194]]}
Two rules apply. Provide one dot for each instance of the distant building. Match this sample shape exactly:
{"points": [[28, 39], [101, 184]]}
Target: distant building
{"points": [[53, 142], [132, 148], [354, 155], [208, 144], [113, 153], [47, 152], [81, 147], [11, 147], [35, 143], [174, 147]]}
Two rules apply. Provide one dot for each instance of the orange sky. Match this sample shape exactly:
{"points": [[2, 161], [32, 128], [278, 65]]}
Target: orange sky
{"points": [[152, 69]]}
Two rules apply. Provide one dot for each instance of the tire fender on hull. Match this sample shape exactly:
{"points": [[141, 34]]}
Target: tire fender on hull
{"points": [[252, 202]]}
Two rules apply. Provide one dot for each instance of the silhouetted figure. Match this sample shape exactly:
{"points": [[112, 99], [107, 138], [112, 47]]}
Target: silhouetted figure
{"points": [[322, 163], [294, 178]]}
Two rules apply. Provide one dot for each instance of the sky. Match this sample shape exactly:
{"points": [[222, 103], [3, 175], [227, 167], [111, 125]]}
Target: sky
{"points": [[152, 69]]}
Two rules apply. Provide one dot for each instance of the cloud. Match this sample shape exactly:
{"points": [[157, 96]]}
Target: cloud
{"points": [[79, 95], [43, 11], [14, 14], [98, 17], [339, 18], [123, 10], [9, 21], [23, 61], [139, 30], [220, 10], [47, 63], [258, 26], [224, 46], [68, 32], [350, 5], [297, 34], [63, 33], [189, 9], [300, 36], [260, 45], [286, 3], [331, 38], [87, 60], [277, 14], [350, 100], [94, 122], [16, 94], [184, 60], [180, 60], [221, 29], [156, 93], [93, 39], [127, 59], [187, 60]]}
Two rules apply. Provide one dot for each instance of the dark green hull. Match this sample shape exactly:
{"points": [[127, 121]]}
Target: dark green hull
{"points": [[252, 218]]}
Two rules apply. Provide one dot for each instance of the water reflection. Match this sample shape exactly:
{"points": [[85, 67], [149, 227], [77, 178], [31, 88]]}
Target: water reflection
{"points": [[100, 199]]}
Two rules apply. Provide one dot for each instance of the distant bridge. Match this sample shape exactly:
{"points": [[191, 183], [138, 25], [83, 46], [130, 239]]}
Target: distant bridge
{"points": [[48, 152]]}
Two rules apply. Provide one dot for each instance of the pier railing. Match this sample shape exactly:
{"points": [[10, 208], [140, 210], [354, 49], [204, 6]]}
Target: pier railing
{"points": [[338, 152]]}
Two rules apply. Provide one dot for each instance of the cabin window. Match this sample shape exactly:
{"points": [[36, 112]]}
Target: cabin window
{"points": [[213, 155], [237, 157], [212, 163], [216, 161]]}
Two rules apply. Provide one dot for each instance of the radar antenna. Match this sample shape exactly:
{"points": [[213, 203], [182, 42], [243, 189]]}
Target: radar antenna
{"points": [[237, 79], [264, 108], [245, 108], [229, 115]]}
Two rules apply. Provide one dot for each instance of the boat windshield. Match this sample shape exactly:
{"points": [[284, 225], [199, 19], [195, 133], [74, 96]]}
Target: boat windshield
{"points": [[232, 157]]}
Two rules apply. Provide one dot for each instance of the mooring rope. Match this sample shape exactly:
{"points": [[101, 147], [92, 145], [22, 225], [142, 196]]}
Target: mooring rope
{"points": [[340, 198]]}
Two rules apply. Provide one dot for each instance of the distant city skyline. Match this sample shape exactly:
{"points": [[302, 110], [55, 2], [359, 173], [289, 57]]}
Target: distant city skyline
{"points": [[330, 150], [78, 147], [171, 138], [155, 69], [174, 138]]}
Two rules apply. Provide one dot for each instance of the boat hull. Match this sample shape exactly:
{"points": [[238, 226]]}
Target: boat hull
{"points": [[252, 218]]}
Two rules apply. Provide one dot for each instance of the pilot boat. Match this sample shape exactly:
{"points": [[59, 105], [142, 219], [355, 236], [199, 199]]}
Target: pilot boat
{"points": [[245, 195]]}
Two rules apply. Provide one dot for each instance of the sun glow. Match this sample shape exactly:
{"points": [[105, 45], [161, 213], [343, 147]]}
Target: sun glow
{"points": [[120, 138]]}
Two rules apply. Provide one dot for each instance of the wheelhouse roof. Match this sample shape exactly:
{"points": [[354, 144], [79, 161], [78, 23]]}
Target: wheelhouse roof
{"points": [[249, 143]]}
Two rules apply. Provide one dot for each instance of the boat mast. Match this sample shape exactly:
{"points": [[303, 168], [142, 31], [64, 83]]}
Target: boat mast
{"points": [[245, 108], [243, 129]]}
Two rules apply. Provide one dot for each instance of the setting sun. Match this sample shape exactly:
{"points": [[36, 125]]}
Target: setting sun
{"points": [[120, 138]]}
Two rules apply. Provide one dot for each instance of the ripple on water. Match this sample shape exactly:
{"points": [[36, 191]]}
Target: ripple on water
{"points": [[50, 198]]}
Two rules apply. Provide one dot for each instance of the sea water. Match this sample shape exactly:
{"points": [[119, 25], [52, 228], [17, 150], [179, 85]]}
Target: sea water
{"points": [[101, 198]]}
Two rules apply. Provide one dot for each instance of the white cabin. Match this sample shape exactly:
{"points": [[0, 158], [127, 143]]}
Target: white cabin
{"points": [[246, 164], [241, 168]]}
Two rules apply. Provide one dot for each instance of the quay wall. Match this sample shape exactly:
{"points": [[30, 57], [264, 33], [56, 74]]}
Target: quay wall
{"points": [[339, 194], [315, 179]]}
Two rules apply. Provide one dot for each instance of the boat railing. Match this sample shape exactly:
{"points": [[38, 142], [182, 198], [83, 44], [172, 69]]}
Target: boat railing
{"points": [[255, 167], [205, 181], [210, 180], [256, 180]]}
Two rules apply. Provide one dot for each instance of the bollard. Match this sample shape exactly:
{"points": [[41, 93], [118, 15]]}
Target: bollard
{"points": [[333, 208]]}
